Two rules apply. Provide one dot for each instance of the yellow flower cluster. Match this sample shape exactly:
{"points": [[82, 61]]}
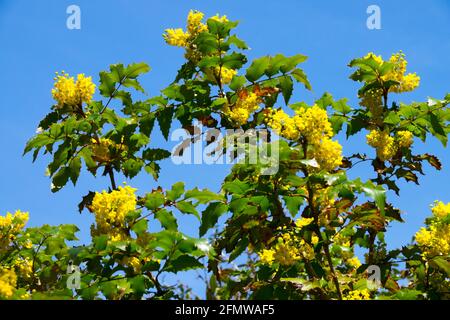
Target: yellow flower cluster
{"points": [[357, 295], [383, 143], [133, 262], [354, 262], [176, 37], [180, 38], [246, 104], [435, 239], [287, 250], [225, 74], [24, 267], [221, 19], [440, 209], [386, 145], [102, 149], [303, 222], [8, 281], [407, 82], [186, 39], [68, 92], [313, 126], [328, 154], [110, 210], [10, 226], [373, 101], [404, 139]]}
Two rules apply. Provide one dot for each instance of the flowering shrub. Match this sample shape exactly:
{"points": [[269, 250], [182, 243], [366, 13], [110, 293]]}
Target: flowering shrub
{"points": [[294, 232]]}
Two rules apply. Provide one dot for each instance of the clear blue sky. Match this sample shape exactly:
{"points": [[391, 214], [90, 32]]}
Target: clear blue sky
{"points": [[35, 43]]}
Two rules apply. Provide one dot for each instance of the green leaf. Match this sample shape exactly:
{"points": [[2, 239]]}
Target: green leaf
{"points": [[153, 169], [60, 178], [210, 216], [133, 70], [176, 192], [203, 196], [286, 86], [38, 141], [140, 227], [305, 285], [441, 264], [154, 200], [236, 187], [146, 124], [274, 65], [107, 84], [132, 167], [100, 242], [234, 60], [237, 42], [155, 154], [133, 83], [291, 62], [138, 284], [407, 294], [257, 68], [293, 204], [75, 167], [182, 263], [164, 117], [237, 82], [167, 220], [377, 193], [209, 62], [341, 106], [187, 207], [301, 77]]}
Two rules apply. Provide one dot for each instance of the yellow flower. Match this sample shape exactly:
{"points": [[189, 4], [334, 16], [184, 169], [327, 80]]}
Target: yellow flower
{"points": [[404, 138], [246, 104], [194, 22], [24, 267], [85, 88], [440, 209], [176, 37], [64, 90], [328, 154], [383, 143], [226, 75], [133, 262], [10, 226], [104, 149], [434, 239], [267, 256], [303, 222], [313, 126], [68, 92], [357, 295], [110, 210], [354, 262], [287, 250], [8, 281], [407, 82], [222, 19]]}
